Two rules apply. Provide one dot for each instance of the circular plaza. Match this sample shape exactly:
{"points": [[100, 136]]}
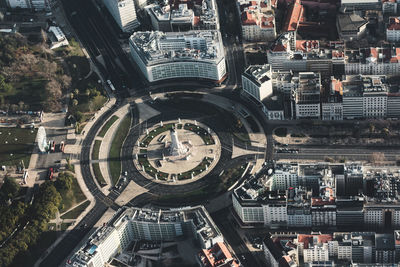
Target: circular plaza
{"points": [[177, 151]]}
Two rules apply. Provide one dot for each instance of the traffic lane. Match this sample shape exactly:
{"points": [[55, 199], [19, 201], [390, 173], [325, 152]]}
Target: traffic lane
{"points": [[228, 230]]}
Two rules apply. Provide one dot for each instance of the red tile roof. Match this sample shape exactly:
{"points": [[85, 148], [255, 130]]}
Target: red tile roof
{"points": [[394, 24], [218, 255], [294, 16]]}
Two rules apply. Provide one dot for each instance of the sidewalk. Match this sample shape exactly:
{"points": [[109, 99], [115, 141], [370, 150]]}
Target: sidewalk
{"points": [[74, 151], [105, 147]]}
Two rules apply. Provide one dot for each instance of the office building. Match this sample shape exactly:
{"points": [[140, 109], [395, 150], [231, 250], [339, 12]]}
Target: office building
{"points": [[393, 30], [130, 224], [306, 96], [256, 81], [37, 5], [360, 5], [193, 54], [124, 13]]}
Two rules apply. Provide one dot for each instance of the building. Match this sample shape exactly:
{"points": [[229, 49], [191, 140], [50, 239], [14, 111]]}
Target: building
{"points": [[31, 4], [279, 250], [393, 30], [193, 54], [290, 54], [332, 105], [217, 256], [351, 26], [285, 177], [257, 20], [365, 97], [389, 6], [313, 248], [18, 4], [360, 5], [130, 224], [373, 61], [294, 16], [306, 97], [184, 15], [256, 81], [124, 13], [57, 37]]}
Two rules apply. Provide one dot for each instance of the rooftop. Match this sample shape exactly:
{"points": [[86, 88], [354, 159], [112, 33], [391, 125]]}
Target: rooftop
{"points": [[158, 47], [350, 22], [258, 73]]}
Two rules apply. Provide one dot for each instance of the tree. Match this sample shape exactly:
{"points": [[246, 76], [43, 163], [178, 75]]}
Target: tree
{"points": [[76, 91], [10, 188], [63, 182], [75, 102]]}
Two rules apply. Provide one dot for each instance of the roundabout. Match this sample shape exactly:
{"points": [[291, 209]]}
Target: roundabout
{"points": [[177, 151]]}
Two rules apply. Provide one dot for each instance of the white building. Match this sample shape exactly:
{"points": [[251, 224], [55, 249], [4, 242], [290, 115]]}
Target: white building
{"points": [[313, 248], [389, 6], [307, 96], [373, 61], [257, 20], [365, 97], [393, 30], [124, 13], [256, 81], [130, 224], [193, 54], [284, 178], [18, 3], [57, 37]]}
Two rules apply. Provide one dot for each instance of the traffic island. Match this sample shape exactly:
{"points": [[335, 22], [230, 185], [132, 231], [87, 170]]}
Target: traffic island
{"points": [[177, 152]]}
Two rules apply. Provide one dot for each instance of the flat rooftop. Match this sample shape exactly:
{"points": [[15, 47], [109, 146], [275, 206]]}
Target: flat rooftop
{"points": [[158, 47]]}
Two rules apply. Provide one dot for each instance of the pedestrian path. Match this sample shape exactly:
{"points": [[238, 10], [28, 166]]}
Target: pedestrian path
{"points": [[106, 146]]}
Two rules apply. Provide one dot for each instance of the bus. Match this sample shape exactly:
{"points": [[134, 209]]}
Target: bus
{"points": [[111, 85]]}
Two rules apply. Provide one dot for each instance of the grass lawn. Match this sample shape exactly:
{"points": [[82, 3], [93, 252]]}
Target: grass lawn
{"points": [[72, 197], [97, 174], [230, 176], [107, 126], [116, 145], [147, 139], [196, 170], [73, 214], [281, 132], [207, 138], [64, 226], [15, 145], [150, 170], [96, 149]]}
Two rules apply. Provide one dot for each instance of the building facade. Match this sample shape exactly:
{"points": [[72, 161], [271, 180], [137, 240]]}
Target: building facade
{"points": [[194, 54], [124, 13]]}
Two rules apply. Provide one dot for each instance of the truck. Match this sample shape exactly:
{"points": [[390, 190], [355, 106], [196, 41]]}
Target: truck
{"points": [[111, 85]]}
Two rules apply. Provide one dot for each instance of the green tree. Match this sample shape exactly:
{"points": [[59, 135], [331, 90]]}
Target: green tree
{"points": [[9, 189], [63, 182]]}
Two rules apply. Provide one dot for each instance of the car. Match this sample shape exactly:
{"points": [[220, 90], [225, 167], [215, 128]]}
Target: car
{"points": [[125, 173], [158, 163], [50, 173]]}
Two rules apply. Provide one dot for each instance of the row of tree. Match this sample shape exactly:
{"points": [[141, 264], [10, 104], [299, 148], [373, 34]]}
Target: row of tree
{"points": [[30, 222]]}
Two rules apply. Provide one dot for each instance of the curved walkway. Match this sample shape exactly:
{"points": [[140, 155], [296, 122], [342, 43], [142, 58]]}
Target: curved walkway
{"points": [[105, 147]]}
